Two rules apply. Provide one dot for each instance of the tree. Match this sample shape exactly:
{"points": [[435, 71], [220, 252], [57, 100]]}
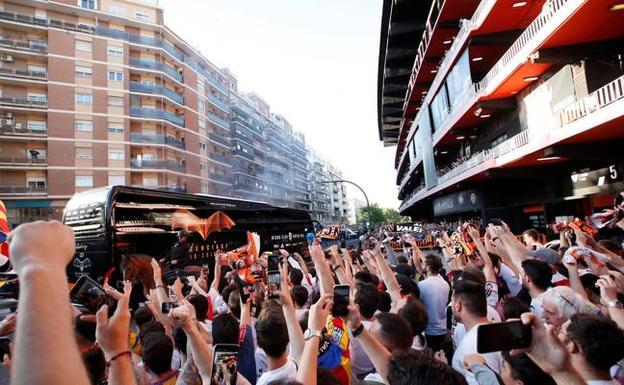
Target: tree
{"points": [[376, 217], [393, 216]]}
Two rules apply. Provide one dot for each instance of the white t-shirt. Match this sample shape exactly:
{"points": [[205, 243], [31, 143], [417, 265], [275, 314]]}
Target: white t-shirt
{"points": [[217, 302], [468, 345], [287, 371], [460, 329], [511, 279], [536, 305], [434, 294], [360, 363]]}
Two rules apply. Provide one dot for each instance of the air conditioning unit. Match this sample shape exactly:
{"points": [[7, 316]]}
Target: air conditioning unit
{"points": [[6, 57], [6, 122]]}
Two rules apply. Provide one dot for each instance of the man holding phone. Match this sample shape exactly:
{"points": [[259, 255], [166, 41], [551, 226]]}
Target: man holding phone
{"points": [[469, 306]]}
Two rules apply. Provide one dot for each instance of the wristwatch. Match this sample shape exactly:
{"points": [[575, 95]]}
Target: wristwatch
{"points": [[616, 304], [312, 333], [357, 331]]}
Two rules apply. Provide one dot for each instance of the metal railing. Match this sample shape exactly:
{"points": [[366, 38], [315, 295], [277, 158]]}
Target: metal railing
{"points": [[12, 130], [514, 56], [23, 73], [22, 190], [220, 177], [136, 137], [219, 121], [158, 164], [224, 105], [155, 113], [12, 100], [154, 89], [596, 100], [23, 45], [219, 139], [14, 160], [154, 65], [219, 158], [11, 16]]}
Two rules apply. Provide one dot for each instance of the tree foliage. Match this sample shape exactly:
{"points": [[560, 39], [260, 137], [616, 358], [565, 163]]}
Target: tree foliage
{"points": [[380, 215]]}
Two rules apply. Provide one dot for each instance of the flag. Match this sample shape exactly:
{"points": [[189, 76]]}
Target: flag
{"points": [[4, 230]]}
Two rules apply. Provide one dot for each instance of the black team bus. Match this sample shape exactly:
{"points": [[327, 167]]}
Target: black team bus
{"points": [[112, 222]]}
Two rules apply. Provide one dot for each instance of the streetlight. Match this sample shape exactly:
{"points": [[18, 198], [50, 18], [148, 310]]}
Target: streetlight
{"points": [[363, 192]]}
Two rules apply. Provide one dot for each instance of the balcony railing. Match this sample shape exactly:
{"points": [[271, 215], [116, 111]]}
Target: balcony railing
{"points": [[11, 130], [136, 137], [154, 89], [596, 100], [22, 18], [158, 164], [153, 65], [23, 73], [154, 113], [23, 45], [218, 158], [218, 102], [19, 161], [11, 100], [219, 139], [522, 47], [22, 190], [220, 177], [219, 121]]}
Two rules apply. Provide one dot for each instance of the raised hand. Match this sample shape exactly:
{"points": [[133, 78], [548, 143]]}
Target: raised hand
{"points": [[608, 289], [45, 245], [112, 334], [184, 317], [319, 313]]}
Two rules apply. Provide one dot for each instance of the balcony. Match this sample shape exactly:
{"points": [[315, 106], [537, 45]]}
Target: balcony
{"points": [[159, 164], [219, 139], [19, 102], [13, 190], [26, 46], [19, 161], [157, 139], [218, 158], [20, 18], [219, 121], [26, 74], [224, 105], [153, 113], [220, 177], [158, 90], [12, 130], [593, 102], [215, 82], [156, 66]]}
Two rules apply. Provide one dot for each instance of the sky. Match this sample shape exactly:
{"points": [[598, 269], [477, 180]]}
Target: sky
{"points": [[315, 62]]}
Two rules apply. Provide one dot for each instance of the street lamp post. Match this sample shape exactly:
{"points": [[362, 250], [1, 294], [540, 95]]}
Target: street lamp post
{"points": [[363, 192]]}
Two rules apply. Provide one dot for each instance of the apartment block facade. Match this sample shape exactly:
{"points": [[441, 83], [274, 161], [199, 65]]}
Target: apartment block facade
{"points": [[101, 92], [503, 109], [329, 203]]}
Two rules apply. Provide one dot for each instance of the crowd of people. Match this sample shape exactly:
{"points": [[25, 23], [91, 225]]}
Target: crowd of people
{"points": [[407, 320]]}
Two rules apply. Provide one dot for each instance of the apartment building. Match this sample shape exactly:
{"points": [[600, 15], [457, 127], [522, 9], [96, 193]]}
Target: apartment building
{"points": [[101, 92], [320, 201], [269, 158], [503, 109]]}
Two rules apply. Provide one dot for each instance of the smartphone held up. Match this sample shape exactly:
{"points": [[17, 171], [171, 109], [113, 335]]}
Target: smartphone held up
{"points": [[503, 336]]}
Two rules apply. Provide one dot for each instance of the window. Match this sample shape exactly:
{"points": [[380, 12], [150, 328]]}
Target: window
{"points": [[141, 16], [82, 45], [86, 99], [117, 101], [150, 83], [117, 10], [83, 72], [116, 180], [113, 50], [84, 181], [36, 183], [39, 98], [89, 4], [37, 125], [116, 76], [116, 154], [201, 104], [84, 126], [116, 129], [84, 153], [202, 145]]}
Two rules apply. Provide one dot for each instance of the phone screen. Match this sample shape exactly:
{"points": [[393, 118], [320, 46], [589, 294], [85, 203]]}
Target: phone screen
{"points": [[503, 336], [88, 293], [273, 262], [224, 364], [341, 300], [273, 280]]}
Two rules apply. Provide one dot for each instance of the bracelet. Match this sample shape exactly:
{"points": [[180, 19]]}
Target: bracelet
{"points": [[357, 331], [116, 356]]}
